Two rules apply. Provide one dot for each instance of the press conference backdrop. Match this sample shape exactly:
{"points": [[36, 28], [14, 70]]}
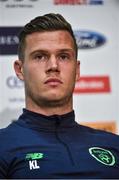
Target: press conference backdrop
{"points": [[96, 27]]}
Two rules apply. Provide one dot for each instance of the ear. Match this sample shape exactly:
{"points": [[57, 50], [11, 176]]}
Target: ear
{"points": [[18, 67], [78, 70]]}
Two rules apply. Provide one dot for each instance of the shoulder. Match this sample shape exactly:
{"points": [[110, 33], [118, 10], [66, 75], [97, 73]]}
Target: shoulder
{"points": [[98, 131], [10, 129], [8, 133], [97, 134], [12, 135]]}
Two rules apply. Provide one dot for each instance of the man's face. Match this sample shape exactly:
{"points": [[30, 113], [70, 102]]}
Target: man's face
{"points": [[50, 68]]}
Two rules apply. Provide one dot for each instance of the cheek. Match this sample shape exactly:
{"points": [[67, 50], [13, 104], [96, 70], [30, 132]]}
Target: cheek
{"points": [[31, 71], [69, 75], [30, 76]]}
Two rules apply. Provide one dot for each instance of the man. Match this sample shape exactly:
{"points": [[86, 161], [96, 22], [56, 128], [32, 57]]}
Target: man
{"points": [[46, 142]]}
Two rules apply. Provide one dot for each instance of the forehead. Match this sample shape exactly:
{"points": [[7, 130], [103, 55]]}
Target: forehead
{"points": [[49, 40]]}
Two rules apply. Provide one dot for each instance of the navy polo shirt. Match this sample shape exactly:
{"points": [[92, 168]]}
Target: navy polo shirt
{"points": [[56, 147]]}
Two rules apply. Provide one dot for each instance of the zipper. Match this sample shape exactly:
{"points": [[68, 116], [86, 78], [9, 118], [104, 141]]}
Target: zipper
{"points": [[62, 142]]}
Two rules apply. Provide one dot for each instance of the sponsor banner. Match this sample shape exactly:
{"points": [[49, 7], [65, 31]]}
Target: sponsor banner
{"points": [[93, 84], [19, 3], [109, 126], [85, 39], [78, 2], [89, 39], [12, 94], [9, 40], [12, 98], [15, 91]]}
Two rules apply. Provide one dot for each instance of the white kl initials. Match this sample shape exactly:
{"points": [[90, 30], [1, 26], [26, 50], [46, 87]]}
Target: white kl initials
{"points": [[33, 164]]}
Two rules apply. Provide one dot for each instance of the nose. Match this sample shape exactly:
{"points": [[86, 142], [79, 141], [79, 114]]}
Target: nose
{"points": [[52, 64]]}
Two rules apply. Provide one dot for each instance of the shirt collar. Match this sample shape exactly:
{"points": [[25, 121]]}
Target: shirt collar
{"points": [[39, 121]]}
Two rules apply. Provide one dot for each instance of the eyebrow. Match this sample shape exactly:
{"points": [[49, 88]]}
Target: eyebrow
{"points": [[46, 51]]}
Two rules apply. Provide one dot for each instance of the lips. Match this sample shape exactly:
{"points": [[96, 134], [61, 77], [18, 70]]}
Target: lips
{"points": [[53, 81]]}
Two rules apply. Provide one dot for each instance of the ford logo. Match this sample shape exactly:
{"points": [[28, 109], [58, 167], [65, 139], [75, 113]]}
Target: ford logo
{"points": [[89, 39]]}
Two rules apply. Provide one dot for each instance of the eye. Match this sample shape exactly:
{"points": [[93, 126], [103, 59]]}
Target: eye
{"points": [[40, 57], [64, 56]]}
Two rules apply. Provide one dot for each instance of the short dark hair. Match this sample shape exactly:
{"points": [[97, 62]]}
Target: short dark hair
{"points": [[47, 22]]}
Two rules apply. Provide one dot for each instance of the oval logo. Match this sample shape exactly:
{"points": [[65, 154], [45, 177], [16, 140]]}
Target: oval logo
{"points": [[89, 39], [104, 156]]}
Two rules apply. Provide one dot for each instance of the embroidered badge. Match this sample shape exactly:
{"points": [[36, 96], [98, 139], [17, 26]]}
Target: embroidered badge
{"points": [[104, 156], [32, 158]]}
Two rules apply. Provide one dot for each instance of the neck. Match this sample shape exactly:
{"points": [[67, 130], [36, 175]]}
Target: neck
{"points": [[50, 110]]}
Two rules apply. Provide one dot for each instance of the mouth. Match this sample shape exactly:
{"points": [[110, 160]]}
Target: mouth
{"points": [[53, 82]]}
